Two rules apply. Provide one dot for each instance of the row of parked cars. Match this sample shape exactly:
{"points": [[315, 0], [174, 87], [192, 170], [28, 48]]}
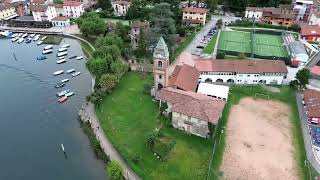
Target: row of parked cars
{"points": [[205, 40]]}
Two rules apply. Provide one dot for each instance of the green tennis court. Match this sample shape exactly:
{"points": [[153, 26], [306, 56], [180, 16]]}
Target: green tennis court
{"points": [[240, 42]]}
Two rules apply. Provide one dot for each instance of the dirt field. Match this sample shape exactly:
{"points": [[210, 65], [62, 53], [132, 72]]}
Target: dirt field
{"points": [[258, 142]]}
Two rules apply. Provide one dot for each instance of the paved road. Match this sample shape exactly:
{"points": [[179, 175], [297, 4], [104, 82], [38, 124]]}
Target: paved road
{"points": [[107, 145], [306, 136]]}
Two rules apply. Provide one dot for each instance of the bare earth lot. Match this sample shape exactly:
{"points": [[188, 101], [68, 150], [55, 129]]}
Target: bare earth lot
{"points": [[258, 142]]}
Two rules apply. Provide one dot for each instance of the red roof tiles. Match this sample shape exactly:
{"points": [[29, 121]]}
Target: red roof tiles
{"points": [[312, 100], [310, 30], [195, 10], [184, 77], [72, 3]]}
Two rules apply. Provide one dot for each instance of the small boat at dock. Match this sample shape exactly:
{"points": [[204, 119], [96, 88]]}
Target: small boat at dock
{"points": [[79, 57], [41, 58], [43, 38], [59, 85], [61, 61], [62, 49], [14, 39], [72, 57], [32, 35], [62, 54], [61, 100], [64, 80], [58, 72], [28, 40], [62, 93], [36, 38], [20, 40], [39, 43], [48, 47], [65, 46], [47, 51], [76, 74], [71, 71], [62, 57], [24, 35], [69, 94]]}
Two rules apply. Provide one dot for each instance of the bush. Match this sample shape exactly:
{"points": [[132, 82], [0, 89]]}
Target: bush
{"points": [[151, 139], [115, 171], [242, 56], [136, 158], [221, 55], [147, 89]]}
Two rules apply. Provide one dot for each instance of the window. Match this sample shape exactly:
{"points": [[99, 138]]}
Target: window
{"points": [[159, 64], [160, 76], [248, 75]]}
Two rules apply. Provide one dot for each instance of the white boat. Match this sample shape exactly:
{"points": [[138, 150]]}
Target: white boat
{"points": [[19, 35], [69, 94], [58, 72], [43, 38], [65, 46], [61, 61], [62, 54], [47, 51], [48, 47], [71, 71], [79, 57], [62, 49], [62, 57], [20, 40], [14, 39], [39, 43], [25, 35], [76, 74], [32, 35], [64, 80], [62, 93], [15, 35], [36, 38]]}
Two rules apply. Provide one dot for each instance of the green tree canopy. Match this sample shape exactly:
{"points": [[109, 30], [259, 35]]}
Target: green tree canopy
{"points": [[91, 24], [97, 66], [107, 82], [303, 76], [142, 45], [110, 39], [105, 5], [105, 52], [114, 170]]}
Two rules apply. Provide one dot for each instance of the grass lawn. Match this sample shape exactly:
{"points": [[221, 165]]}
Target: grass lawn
{"points": [[128, 116], [287, 96], [210, 47], [124, 22]]}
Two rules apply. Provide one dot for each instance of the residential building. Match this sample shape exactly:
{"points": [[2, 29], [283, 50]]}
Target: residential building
{"points": [[136, 28], [59, 10], [282, 16], [315, 18], [242, 71], [43, 12], [39, 2], [253, 13], [192, 112], [61, 21], [311, 101], [7, 12], [20, 7], [310, 33], [298, 51], [303, 9], [120, 7], [73, 9], [194, 16]]}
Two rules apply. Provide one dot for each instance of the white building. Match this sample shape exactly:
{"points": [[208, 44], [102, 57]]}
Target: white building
{"points": [[315, 18], [73, 9], [7, 12], [213, 90], [194, 16], [242, 71], [59, 9], [120, 7], [43, 12], [253, 13], [61, 21], [302, 9], [298, 51]]}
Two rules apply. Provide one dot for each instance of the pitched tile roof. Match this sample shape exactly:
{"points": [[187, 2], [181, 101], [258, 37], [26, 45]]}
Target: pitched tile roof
{"points": [[38, 1], [192, 104], [195, 10], [310, 30], [60, 18], [38, 8], [184, 77], [71, 3], [312, 100], [241, 66]]}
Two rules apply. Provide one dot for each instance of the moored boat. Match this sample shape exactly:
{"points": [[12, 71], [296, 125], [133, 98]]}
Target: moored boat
{"points": [[64, 80], [72, 57], [48, 47], [14, 39], [32, 35], [69, 94], [62, 49], [41, 58], [43, 38], [20, 40], [62, 93], [25, 35], [76, 74], [39, 43], [58, 72], [62, 54], [71, 71], [61, 100], [61, 61], [59, 85], [47, 51], [36, 38], [65, 46], [62, 57], [79, 57], [28, 40]]}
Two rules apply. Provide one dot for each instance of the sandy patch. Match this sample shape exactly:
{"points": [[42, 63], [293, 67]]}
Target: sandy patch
{"points": [[258, 142]]}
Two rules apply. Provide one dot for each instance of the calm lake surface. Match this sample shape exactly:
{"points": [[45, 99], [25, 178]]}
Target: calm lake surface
{"points": [[33, 124]]}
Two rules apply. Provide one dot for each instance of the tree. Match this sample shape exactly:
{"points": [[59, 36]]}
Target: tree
{"points": [[114, 170], [221, 55], [118, 69], [105, 5], [58, 1], [212, 4], [142, 44], [97, 67], [162, 24], [91, 24], [295, 27], [303, 76], [122, 31], [107, 82], [219, 23], [110, 39], [105, 52]]}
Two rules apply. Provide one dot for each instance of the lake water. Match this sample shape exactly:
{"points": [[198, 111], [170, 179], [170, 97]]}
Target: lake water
{"points": [[33, 124]]}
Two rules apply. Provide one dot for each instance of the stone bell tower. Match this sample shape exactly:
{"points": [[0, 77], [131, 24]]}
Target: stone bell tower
{"points": [[160, 65]]}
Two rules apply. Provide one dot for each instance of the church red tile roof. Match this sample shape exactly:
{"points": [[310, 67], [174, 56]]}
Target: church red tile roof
{"points": [[184, 77], [192, 104]]}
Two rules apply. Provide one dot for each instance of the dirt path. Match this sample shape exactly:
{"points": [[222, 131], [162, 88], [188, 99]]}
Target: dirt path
{"points": [[259, 142]]}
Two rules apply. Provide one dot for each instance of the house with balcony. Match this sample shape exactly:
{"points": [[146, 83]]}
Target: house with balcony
{"points": [[73, 9], [7, 11], [194, 16], [43, 12], [282, 16]]}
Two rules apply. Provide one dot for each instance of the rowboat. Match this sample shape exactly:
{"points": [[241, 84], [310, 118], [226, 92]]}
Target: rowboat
{"points": [[61, 100], [36, 38], [28, 40], [62, 57], [32, 35], [64, 80], [61, 61], [41, 58], [62, 49], [58, 72], [62, 54], [71, 71], [39, 43], [20, 40], [69, 94], [79, 57], [43, 38], [62, 93], [65, 46], [47, 51], [48, 47], [14, 39], [24, 35], [72, 57], [59, 85], [76, 74]]}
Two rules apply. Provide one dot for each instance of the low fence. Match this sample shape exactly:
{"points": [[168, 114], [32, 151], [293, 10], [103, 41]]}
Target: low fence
{"points": [[141, 67]]}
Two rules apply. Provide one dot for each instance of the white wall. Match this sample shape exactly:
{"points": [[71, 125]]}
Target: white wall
{"points": [[253, 14], [314, 20], [73, 11], [195, 16]]}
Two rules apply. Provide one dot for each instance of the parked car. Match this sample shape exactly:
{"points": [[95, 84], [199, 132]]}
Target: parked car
{"points": [[200, 47]]}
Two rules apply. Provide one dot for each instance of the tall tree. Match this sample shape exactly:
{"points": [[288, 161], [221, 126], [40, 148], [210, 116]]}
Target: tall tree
{"points": [[97, 66], [212, 4], [105, 5], [91, 24], [107, 82], [303, 76], [115, 171], [162, 24], [142, 44]]}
